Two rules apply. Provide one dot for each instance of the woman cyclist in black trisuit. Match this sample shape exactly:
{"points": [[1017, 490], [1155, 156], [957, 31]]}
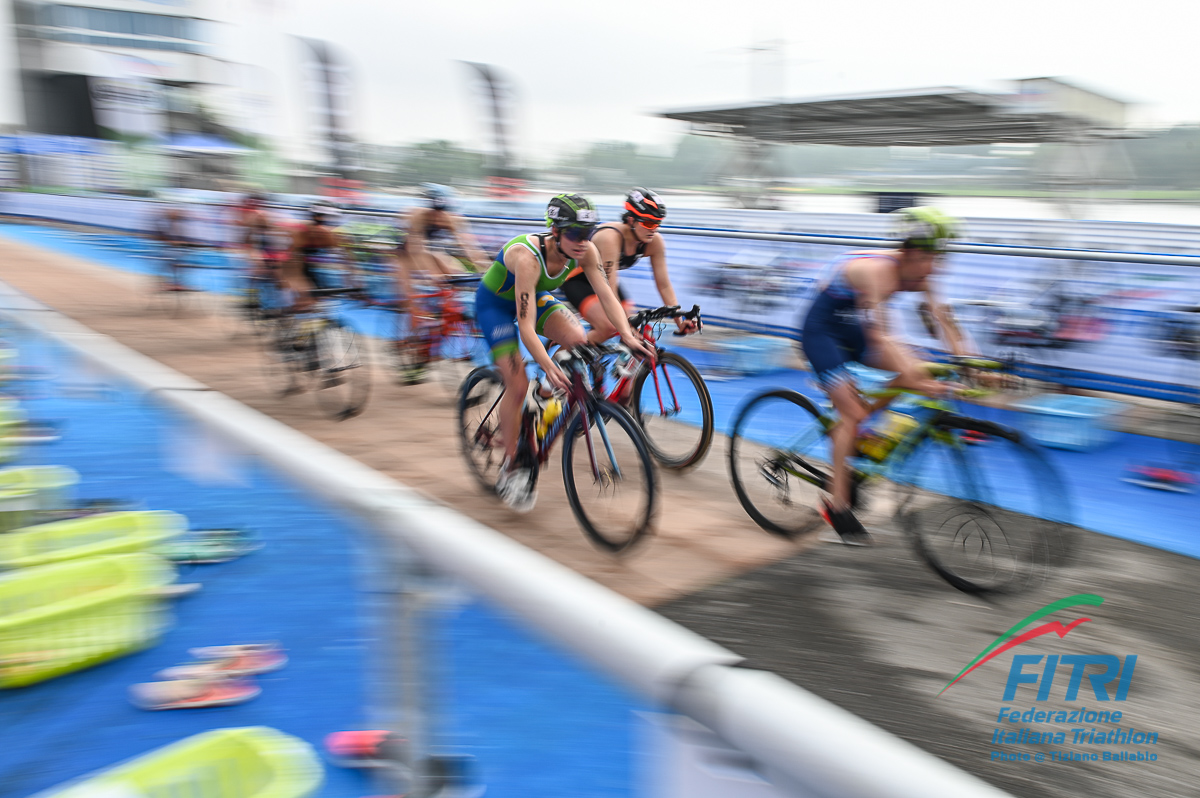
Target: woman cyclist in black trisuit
{"points": [[621, 245]]}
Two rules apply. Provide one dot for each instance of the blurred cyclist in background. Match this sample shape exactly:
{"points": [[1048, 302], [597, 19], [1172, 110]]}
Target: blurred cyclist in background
{"points": [[513, 304], [432, 234], [847, 322], [314, 249], [259, 240], [170, 231], [621, 245]]}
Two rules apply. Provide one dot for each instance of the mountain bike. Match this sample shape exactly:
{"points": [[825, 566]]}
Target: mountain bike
{"points": [[981, 504], [315, 349], [439, 338], [607, 467], [667, 396]]}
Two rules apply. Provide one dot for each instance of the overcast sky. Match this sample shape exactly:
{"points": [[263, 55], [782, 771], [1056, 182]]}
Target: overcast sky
{"points": [[591, 71]]}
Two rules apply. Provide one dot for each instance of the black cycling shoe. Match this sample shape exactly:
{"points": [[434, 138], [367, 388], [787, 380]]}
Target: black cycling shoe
{"points": [[849, 528]]}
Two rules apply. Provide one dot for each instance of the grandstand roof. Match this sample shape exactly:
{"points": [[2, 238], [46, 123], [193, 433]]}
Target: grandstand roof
{"points": [[917, 117]]}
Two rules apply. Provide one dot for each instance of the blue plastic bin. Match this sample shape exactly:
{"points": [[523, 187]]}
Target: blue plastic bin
{"points": [[1078, 423]]}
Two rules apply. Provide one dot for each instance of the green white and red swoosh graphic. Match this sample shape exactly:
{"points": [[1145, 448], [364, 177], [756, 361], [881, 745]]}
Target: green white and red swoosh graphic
{"points": [[1013, 638]]}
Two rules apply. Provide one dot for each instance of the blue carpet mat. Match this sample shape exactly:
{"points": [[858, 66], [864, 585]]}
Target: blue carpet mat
{"points": [[537, 722]]}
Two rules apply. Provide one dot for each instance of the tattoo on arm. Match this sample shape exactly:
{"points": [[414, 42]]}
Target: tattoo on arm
{"points": [[608, 268], [524, 304]]}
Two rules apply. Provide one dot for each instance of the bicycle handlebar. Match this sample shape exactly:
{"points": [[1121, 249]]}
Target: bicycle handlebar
{"points": [[668, 312]]}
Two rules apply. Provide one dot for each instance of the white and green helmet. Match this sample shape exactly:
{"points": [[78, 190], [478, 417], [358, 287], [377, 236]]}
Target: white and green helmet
{"points": [[924, 228], [571, 210]]}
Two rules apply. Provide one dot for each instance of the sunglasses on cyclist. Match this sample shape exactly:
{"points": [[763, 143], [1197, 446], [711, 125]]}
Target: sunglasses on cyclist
{"points": [[648, 225], [578, 232]]}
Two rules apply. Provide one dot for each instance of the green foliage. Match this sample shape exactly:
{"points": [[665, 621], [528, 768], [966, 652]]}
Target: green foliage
{"points": [[616, 165], [1169, 160], [440, 162]]}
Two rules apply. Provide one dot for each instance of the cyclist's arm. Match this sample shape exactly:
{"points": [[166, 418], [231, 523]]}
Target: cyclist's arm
{"points": [[466, 240], [872, 288], [950, 332], [293, 265], [657, 253], [609, 250], [526, 272], [590, 263]]}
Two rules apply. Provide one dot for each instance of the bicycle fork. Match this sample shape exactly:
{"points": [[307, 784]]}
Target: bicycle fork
{"points": [[612, 458], [670, 389]]}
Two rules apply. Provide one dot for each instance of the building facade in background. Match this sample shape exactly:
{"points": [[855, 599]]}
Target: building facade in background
{"points": [[206, 85]]}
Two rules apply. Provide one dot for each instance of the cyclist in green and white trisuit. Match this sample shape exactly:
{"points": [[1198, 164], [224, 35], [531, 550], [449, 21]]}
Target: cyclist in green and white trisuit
{"points": [[514, 303]]}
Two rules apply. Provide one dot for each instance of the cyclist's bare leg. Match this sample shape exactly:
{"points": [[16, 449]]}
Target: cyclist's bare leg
{"points": [[561, 327], [851, 413], [602, 328], [911, 375], [564, 329], [516, 384]]}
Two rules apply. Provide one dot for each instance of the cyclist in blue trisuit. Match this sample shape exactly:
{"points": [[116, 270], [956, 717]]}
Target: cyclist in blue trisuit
{"points": [[514, 303], [847, 323]]}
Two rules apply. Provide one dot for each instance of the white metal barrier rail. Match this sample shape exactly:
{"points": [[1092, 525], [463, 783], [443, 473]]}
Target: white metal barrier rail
{"points": [[135, 215], [797, 740]]}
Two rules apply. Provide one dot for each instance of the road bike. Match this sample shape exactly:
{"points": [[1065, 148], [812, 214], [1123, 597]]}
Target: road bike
{"points": [[439, 339], [607, 467], [316, 349], [981, 504], [666, 395]]}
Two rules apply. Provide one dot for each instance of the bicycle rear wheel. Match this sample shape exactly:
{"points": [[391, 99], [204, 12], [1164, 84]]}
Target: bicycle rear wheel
{"points": [[991, 516], [479, 425], [675, 410], [343, 379], [609, 475], [779, 460]]}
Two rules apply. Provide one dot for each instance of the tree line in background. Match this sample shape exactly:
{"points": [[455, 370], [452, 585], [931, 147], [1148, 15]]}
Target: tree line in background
{"points": [[1164, 161]]}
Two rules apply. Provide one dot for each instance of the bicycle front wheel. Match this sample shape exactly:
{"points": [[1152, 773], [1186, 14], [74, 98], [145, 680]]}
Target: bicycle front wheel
{"points": [[479, 425], [288, 357], [609, 475], [675, 410], [984, 507], [343, 379], [779, 461], [460, 350], [408, 348]]}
